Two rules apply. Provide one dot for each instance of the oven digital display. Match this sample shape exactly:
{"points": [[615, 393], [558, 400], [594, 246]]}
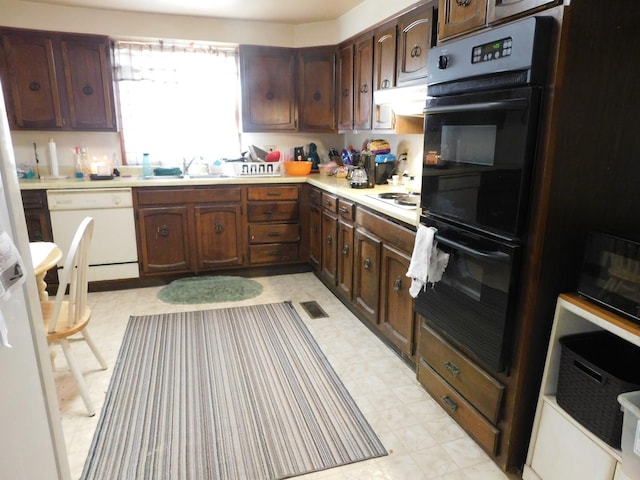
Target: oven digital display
{"points": [[492, 51]]}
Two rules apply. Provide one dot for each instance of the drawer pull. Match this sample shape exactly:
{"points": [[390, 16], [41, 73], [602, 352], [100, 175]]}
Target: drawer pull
{"points": [[273, 194], [449, 402], [268, 213], [452, 367], [345, 250], [273, 234], [327, 202], [275, 253], [343, 210]]}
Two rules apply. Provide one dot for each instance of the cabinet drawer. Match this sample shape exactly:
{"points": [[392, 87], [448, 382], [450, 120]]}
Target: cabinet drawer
{"points": [[315, 196], [273, 193], [272, 211], [271, 233], [274, 253], [176, 196], [329, 202], [346, 209], [482, 391], [463, 412]]}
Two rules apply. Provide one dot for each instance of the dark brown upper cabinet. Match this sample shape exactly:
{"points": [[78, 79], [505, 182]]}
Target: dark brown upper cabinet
{"points": [[363, 83], [416, 36], [457, 17], [384, 73], [56, 81], [317, 89], [268, 78], [345, 87]]}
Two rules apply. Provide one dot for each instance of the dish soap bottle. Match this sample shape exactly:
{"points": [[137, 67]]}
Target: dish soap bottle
{"points": [[146, 165], [77, 160]]}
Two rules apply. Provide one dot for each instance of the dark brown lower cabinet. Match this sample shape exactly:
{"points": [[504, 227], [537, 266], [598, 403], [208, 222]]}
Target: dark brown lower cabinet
{"points": [[366, 278]]}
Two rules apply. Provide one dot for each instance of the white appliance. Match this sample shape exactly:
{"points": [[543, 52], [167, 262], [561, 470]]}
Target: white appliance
{"points": [[113, 254], [32, 441]]}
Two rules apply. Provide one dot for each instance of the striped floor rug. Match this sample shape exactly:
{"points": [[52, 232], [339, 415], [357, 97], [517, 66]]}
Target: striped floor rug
{"points": [[237, 393]]}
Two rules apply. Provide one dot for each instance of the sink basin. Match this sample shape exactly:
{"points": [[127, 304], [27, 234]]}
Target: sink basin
{"points": [[162, 177], [209, 175], [195, 177]]}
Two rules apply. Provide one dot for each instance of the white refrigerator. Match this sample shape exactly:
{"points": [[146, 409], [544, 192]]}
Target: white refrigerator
{"points": [[31, 440]]}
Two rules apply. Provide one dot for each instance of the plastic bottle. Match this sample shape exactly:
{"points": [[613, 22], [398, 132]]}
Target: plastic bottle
{"points": [[146, 165], [77, 161]]}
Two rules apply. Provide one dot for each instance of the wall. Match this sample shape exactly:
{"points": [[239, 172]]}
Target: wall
{"points": [[127, 25]]}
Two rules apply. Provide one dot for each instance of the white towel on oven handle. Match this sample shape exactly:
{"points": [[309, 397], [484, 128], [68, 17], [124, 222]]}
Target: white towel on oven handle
{"points": [[427, 261]]}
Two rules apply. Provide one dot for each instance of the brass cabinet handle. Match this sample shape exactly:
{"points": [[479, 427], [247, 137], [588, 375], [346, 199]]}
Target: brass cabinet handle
{"points": [[34, 86], [364, 88], [452, 367], [317, 96], [329, 239], [385, 83], [450, 402], [463, 3], [273, 194], [163, 230], [367, 263], [219, 228], [87, 90], [314, 228], [416, 51], [343, 210], [397, 284], [273, 234], [345, 249], [345, 92]]}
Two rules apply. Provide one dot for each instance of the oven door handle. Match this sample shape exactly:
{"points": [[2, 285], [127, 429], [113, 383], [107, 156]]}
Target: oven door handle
{"points": [[515, 104], [495, 256]]}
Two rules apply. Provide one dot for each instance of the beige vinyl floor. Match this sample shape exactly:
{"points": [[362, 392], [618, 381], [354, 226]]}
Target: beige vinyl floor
{"points": [[422, 441]]}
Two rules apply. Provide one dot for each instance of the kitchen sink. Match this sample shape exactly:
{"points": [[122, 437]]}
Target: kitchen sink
{"points": [[195, 177]]}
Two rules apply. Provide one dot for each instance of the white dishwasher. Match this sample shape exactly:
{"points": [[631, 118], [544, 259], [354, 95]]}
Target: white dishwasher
{"points": [[113, 254]]}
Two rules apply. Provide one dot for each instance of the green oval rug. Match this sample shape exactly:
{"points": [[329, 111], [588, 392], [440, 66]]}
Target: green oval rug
{"points": [[212, 289]]}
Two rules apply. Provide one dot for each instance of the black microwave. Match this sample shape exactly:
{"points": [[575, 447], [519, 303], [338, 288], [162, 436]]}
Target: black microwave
{"points": [[610, 274]]}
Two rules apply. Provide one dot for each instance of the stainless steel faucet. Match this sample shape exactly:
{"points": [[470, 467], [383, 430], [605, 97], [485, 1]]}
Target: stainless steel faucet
{"points": [[185, 165]]}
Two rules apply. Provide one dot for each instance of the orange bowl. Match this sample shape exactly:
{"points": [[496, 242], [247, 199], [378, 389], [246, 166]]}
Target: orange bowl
{"points": [[297, 168]]}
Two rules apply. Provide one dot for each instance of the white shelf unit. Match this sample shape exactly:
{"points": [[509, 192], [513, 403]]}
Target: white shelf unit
{"points": [[561, 448]]}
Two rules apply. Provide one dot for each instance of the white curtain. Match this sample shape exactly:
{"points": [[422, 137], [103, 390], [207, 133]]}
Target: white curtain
{"points": [[178, 100]]}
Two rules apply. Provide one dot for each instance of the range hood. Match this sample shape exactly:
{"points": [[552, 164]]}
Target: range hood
{"points": [[409, 100]]}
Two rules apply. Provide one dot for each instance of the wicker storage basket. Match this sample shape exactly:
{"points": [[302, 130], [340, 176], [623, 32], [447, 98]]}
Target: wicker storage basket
{"points": [[595, 368]]}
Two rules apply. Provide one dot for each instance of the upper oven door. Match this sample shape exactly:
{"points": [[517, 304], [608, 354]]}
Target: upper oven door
{"points": [[479, 150]]}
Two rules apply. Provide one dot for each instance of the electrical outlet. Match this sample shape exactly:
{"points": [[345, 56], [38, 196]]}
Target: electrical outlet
{"points": [[269, 148]]}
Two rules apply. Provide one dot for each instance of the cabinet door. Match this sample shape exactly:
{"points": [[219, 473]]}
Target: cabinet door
{"points": [[366, 282], [384, 74], [218, 241], [363, 84], [345, 88], [396, 305], [164, 239], [456, 17], [87, 70], [268, 89], [315, 237], [416, 36], [329, 247], [31, 85], [502, 9], [345, 259], [316, 87]]}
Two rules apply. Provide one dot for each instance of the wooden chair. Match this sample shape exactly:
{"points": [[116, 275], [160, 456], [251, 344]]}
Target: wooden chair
{"points": [[66, 317]]}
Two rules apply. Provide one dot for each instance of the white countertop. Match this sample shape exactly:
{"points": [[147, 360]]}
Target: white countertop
{"points": [[338, 186]]}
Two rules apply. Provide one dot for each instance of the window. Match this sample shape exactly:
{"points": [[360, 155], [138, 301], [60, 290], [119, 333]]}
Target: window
{"points": [[178, 101]]}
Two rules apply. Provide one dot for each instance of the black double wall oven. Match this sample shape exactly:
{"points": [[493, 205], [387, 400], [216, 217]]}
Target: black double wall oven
{"points": [[480, 138]]}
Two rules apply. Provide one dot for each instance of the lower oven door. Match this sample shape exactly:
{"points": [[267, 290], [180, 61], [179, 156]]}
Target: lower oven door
{"points": [[473, 304]]}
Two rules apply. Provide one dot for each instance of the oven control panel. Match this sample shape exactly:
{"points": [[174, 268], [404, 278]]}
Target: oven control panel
{"points": [[492, 50]]}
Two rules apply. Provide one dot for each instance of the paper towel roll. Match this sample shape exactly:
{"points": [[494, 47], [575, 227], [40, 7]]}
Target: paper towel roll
{"points": [[53, 159]]}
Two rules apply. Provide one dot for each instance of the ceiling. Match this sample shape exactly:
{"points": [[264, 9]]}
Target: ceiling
{"points": [[279, 11]]}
